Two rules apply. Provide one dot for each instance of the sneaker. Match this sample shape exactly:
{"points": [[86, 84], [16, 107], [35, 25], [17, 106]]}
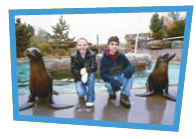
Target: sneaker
{"points": [[124, 100], [89, 104], [112, 96]]}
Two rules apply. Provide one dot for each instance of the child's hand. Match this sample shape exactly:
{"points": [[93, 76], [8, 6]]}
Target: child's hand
{"points": [[84, 75], [83, 71]]}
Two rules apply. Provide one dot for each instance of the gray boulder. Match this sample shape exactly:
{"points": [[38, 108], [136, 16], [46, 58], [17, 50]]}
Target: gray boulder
{"points": [[155, 44], [60, 68], [177, 44]]}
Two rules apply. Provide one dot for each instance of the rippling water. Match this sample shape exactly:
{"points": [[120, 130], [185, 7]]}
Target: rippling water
{"points": [[68, 86]]}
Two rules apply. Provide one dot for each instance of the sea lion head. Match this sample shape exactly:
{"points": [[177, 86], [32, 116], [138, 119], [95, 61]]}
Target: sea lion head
{"points": [[33, 54], [166, 57]]}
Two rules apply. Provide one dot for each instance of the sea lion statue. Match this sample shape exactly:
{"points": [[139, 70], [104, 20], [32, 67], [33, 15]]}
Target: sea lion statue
{"points": [[40, 82], [158, 81]]}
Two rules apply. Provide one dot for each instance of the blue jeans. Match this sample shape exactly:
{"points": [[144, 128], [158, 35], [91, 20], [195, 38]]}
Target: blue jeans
{"points": [[126, 84], [87, 88]]}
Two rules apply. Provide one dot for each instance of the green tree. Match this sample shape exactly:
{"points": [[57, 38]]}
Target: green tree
{"points": [[163, 28], [157, 27], [177, 29], [24, 33], [61, 33]]}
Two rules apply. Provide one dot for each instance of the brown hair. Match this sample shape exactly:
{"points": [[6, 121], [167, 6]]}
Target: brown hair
{"points": [[113, 39]]}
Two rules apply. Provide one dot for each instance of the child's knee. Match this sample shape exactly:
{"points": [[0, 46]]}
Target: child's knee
{"points": [[80, 89], [81, 92], [130, 78]]}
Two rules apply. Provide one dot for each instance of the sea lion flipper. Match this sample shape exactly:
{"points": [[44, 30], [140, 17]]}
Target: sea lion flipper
{"points": [[27, 105], [55, 93], [60, 106], [144, 94], [170, 97]]}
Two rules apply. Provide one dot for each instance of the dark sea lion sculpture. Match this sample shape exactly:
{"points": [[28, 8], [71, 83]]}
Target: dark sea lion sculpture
{"points": [[158, 81], [40, 82]]}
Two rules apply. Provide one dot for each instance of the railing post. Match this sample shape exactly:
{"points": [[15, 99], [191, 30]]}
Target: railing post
{"points": [[136, 43]]}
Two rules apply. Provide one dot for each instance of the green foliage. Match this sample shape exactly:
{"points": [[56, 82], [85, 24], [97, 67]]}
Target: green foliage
{"points": [[20, 54], [61, 33], [45, 48], [61, 52], [163, 28], [24, 33], [157, 27], [177, 29]]}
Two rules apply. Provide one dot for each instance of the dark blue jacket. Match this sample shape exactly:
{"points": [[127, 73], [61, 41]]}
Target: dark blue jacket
{"points": [[110, 68]]}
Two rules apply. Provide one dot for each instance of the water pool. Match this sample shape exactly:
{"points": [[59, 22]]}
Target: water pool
{"points": [[64, 86]]}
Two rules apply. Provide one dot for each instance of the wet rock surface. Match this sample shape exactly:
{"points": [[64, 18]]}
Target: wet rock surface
{"points": [[150, 110]]}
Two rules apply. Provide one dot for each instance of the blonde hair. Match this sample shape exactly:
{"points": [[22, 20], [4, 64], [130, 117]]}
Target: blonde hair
{"points": [[82, 38]]}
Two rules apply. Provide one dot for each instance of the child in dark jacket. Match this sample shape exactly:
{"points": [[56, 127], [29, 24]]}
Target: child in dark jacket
{"points": [[117, 72], [83, 68]]}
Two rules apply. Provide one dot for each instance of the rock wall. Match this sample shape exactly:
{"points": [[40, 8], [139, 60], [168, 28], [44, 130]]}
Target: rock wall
{"points": [[60, 68]]}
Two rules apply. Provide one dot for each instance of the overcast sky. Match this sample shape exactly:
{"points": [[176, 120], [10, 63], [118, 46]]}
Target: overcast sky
{"points": [[88, 25]]}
